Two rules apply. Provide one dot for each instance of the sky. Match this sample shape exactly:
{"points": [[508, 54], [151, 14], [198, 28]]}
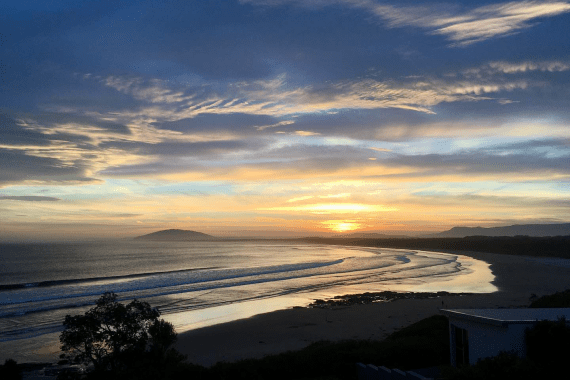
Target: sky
{"points": [[281, 117]]}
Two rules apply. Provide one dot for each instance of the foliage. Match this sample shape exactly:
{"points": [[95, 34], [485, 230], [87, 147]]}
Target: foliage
{"points": [[547, 343], [505, 366], [117, 339], [559, 299], [10, 370]]}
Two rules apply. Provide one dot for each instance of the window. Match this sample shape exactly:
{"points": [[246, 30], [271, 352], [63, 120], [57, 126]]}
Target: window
{"points": [[461, 346]]}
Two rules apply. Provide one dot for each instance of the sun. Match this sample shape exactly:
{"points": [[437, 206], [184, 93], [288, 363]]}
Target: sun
{"points": [[341, 225]]}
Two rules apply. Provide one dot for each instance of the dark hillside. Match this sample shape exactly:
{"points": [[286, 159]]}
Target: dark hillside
{"points": [[534, 230], [557, 246]]}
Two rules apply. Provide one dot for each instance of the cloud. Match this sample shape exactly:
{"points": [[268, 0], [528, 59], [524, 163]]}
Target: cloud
{"points": [[13, 133], [213, 120], [280, 124], [505, 67], [315, 159], [342, 195], [28, 198], [276, 98], [223, 124], [333, 208], [483, 162], [68, 148], [300, 198], [20, 167], [306, 133], [152, 91], [461, 27], [177, 144], [487, 200], [495, 20], [201, 149], [510, 68]]}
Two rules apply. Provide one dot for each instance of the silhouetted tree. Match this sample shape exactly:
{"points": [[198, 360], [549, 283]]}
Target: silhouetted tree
{"points": [[547, 342], [10, 370], [120, 339]]}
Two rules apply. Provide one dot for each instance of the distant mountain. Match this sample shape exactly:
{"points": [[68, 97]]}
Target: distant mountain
{"points": [[177, 235], [517, 229]]}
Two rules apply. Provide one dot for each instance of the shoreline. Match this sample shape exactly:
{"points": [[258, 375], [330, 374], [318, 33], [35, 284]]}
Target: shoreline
{"points": [[518, 278]]}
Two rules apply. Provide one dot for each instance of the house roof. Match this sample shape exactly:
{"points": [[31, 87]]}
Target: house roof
{"points": [[504, 317]]}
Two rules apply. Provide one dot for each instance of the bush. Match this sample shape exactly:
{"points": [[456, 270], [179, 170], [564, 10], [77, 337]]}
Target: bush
{"points": [[505, 366], [547, 343], [559, 299]]}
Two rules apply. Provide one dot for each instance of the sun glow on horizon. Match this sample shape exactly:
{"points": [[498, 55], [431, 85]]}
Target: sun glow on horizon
{"points": [[138, 135], [342, 225]]}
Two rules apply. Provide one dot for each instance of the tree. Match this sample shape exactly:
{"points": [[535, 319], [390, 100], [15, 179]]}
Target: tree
{"points": [[117, 338], [10, 370]]}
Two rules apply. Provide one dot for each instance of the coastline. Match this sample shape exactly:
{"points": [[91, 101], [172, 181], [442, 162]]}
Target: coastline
{"points": [[262, 333], [518, 279]]}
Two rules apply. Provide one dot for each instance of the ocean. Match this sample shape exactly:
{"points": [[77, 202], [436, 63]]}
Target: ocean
{"points": [[195, 284]]}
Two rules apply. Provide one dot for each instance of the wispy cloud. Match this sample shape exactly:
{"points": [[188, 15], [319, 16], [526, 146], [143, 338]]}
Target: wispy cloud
{"points": [[461, 27], [298, 199], [275, 97], [505, 67], [342, 195], [303, 115], [494, 20], [28, 198], [550, 66], [149, 146], [153, 91], [333, 208], [306, 133], [276, 125]]}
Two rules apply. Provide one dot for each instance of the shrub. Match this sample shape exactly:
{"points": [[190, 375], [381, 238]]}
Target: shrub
{"points": [[505, 366], [547, 343]]}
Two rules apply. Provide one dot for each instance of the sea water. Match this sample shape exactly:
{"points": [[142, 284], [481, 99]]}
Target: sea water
{"points": [[195, 284]]}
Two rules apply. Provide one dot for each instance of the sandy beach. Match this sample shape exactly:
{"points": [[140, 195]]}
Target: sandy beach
{"points": [[517, 278]]}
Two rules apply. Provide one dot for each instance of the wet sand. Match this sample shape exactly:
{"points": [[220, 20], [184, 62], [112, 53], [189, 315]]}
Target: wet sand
{"points": [[518, 279]]}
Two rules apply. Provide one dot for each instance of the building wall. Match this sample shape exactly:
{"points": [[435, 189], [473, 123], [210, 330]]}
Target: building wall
{"points": [[486, 340]]}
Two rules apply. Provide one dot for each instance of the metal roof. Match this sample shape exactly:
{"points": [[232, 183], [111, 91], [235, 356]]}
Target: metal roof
{"points": [[504, 317]]}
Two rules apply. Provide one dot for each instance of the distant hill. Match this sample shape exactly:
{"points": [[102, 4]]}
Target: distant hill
{"points": [[535, 230], [543, 246], [177, 235]]}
